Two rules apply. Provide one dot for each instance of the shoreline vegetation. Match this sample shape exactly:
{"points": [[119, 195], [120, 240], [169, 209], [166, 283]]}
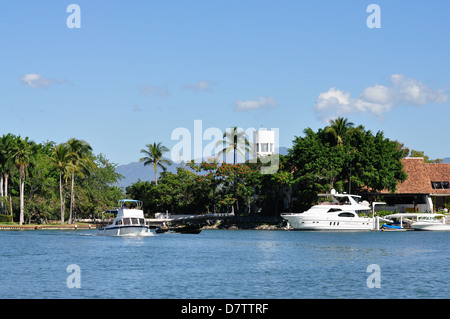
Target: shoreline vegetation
{"points": [[43, 182]]}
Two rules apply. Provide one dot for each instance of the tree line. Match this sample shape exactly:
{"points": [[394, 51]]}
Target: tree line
{"points": [[339, 156], [50, 181], [45, 181]]}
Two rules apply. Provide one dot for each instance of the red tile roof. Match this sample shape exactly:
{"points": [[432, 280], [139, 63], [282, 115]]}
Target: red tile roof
{"points": [[420, 176]]}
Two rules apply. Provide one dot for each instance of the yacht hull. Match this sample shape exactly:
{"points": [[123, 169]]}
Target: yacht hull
{"points": [[298, 222], [131, 230], [430, 226]]}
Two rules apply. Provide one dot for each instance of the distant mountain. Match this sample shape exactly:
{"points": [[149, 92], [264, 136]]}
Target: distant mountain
{"points": [[283, 150], [136, 170]]}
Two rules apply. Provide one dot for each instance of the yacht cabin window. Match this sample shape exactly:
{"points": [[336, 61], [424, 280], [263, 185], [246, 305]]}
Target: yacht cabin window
{"points": [[346, 214], [333, 210]]}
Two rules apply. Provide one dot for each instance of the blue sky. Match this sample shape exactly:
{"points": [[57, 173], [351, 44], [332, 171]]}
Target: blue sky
{"points": [[137, 70]]}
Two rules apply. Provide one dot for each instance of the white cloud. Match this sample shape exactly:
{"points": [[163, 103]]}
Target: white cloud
{"points": [[156, 90], [200, 86], [37, 81], [261, 103], [377, 99]]}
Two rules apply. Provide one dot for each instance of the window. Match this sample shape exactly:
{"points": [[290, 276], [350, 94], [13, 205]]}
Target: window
{"points": [[347, 214], [440, 185], [142, 221], [126, 221], [333, 210], [134, 221]]}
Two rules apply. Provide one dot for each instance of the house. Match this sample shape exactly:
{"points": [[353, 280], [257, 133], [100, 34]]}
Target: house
{"points": [[427, 188]]}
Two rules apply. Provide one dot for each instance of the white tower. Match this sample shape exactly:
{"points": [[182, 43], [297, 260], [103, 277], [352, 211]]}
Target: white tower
{"points": [[264, 142]]}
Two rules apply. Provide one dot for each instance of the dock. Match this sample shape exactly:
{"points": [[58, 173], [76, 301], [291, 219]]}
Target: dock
{"points": [[46, 227]]}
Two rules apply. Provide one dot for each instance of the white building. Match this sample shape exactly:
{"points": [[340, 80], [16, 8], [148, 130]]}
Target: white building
{"points": [[264, 142]]}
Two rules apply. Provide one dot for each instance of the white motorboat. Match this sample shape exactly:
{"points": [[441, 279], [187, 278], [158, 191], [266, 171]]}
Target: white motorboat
{"points": [[341, 212], [431, 222], [128, 222]]}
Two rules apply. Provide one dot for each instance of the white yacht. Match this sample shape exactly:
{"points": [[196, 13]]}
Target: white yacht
{"points": [[338, 212], [128, 222]]}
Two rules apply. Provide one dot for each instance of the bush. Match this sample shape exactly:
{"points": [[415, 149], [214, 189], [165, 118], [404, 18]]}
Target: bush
{"points": [[6, 218]]}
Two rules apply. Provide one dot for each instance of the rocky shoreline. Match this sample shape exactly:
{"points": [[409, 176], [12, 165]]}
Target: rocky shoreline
{"points": [[247, 222]]}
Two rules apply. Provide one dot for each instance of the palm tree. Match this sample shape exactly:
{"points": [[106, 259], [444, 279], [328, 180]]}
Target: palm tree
{"points": [[62, 158], [81, 165], [153, 156], [6, 165], [339, 128], [22, 151], [234, 140]]}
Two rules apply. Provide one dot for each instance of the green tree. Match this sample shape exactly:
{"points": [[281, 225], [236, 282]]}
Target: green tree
{"points": [[144, 191], [7, 167], [98, 191], [272, 190], [41, 185], [154, 155], [22, 152], [316, 165], [339, 128], [234, 140], [81, 165], [426, 158], [363, 161], [62, 159]]}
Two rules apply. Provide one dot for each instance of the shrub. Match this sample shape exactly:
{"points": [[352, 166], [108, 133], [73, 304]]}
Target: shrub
{"points": [[5, 218]]}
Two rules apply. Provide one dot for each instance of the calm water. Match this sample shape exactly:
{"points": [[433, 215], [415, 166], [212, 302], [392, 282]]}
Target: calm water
{"points": [[225, 264]]}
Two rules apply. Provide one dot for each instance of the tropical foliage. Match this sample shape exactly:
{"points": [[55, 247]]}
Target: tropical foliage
{"points": [[210, 187], [234, 140], [34, 180]]}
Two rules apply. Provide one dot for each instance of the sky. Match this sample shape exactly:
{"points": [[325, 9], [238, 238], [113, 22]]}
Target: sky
{"points": [[122, 74]]}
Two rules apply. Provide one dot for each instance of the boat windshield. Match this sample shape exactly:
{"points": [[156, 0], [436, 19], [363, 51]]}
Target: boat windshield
{"points": [[427, 218], [130, 204], [356, 199], [337, 199], [133, 221]]}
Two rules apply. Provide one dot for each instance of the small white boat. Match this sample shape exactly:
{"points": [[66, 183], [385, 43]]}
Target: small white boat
{"points": [[128, 222], [431, 222]]}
